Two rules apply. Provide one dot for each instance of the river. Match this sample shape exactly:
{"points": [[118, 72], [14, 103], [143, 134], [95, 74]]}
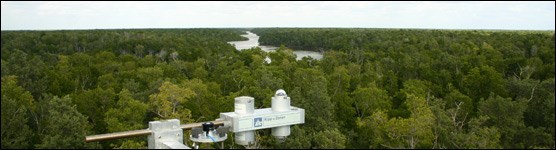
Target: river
{"points": [[254, 42]]}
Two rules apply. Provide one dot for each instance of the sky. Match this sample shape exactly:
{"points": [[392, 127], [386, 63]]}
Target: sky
{"points": [[57, 15]]}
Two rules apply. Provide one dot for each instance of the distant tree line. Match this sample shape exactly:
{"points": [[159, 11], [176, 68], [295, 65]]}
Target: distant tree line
{"points": [[374, 88]]}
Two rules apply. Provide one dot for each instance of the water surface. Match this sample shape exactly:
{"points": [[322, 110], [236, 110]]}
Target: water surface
{"points": [[254, 42]]}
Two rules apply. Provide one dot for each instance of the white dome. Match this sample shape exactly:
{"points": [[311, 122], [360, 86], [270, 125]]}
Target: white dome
{"points": [[280, 92]]}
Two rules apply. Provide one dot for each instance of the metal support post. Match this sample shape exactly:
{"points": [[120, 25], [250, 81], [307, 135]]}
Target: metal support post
{"points": [[166, 134]]}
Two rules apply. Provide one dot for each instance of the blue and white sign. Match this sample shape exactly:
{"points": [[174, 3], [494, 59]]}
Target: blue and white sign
{"points": [[258, 122], [264, 118]]}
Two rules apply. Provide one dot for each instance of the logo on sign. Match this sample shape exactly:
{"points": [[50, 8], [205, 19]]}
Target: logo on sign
{"points": [[258, 122]]}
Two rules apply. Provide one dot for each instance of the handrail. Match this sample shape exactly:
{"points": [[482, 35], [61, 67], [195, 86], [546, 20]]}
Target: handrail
{"points": [[142, 132]]}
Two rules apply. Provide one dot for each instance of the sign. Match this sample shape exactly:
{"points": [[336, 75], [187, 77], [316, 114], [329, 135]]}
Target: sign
{"points": [[264, 118], [258, 122]]}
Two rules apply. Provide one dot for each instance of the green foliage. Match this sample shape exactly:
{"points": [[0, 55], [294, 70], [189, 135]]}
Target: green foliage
{"points": [[128, 144], [452, 126], [371, 99], [373, 88], [206, 94], [480, 82], [506, 115], [128, 114], [310, 94], [16, 106], [413, 132], [93, 104], [456, 100], [331, 139], [64, 126], [168, 103], [300, 139], [479, 137]]}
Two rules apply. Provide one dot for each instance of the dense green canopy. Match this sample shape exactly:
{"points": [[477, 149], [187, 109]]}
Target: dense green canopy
{"points": [[374, 88]]}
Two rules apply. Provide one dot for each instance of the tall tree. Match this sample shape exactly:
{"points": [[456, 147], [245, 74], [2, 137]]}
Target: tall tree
{"points": [[128, 114], [16, 106], [413, 132], [507, 116], [371, 99], [169, 101], [481, 81], [64, 126], [329, 139], [94, 104]]}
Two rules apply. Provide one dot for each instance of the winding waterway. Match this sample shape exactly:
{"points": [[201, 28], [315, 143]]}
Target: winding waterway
{"points": [[254, 42]]}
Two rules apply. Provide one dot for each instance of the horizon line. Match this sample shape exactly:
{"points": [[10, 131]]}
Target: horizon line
{"points": [[273, 27]]}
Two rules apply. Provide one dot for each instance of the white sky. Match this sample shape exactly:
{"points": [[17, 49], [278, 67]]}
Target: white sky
{"points": [[438, 15]]}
